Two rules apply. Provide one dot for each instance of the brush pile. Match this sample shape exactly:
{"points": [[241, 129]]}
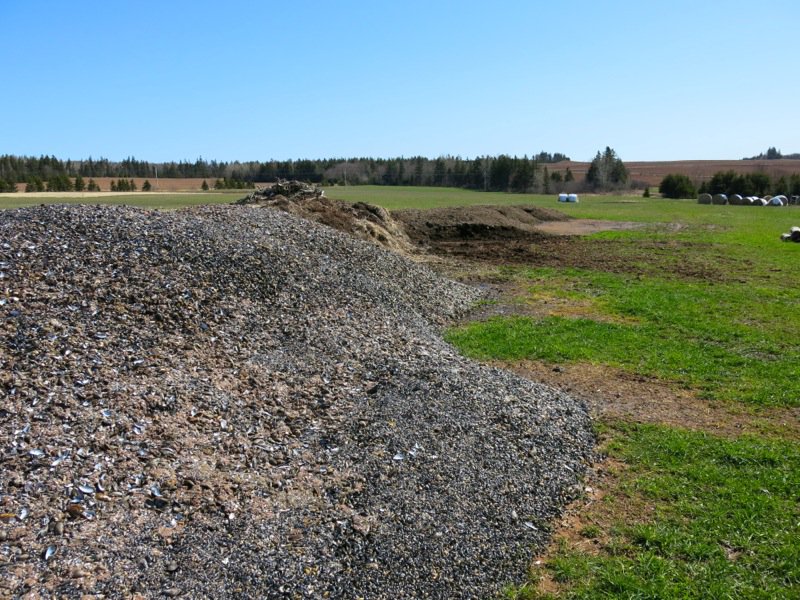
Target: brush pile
{"points": [[236, 402], [361, 220]]}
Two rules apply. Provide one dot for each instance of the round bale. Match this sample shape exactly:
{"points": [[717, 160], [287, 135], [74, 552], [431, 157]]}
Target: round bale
{"points": [[736, 200], [704, 199], [719, 199]]}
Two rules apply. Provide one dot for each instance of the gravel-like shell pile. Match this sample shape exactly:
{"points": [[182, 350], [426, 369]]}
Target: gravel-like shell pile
{"points": [[235, 402]]}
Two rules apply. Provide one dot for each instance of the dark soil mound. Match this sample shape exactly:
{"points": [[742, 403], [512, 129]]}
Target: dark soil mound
{"points": [[476, 222]]}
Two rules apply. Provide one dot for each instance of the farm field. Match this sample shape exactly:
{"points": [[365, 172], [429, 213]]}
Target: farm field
{"points": [[681, 335], [678, 326], [652, 172]]}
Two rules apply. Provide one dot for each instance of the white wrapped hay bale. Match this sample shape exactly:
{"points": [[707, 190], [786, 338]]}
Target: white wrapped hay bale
{"points": [[562, 197], [719, 199], [792, 236], [736, 200]]}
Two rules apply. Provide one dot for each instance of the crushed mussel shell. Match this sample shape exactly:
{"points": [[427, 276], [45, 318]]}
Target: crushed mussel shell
{"points": [[227, 388]]}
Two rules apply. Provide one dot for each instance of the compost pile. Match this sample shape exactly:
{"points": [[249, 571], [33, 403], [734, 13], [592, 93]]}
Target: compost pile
{"points": [[236, 402], [360, 219], [476, 222]]}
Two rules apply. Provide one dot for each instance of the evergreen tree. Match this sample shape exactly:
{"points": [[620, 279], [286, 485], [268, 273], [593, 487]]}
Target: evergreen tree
{"points": [[439, 171], [780, 187], [79, 184], [794, 184], [522, 177], [500, 173], [475, 176], [390, 173], [204, 186], [607, 172], [419, 163], [568, 176], [146, 187], [459, 176], [677, 186], [59, 183]]}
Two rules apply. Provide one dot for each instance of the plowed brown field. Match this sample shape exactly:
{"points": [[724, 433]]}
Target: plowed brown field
{"points": [[651, 173]]}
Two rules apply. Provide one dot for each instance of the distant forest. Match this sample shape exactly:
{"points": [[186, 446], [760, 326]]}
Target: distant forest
{"points": [[772, 153], [496, 173]]}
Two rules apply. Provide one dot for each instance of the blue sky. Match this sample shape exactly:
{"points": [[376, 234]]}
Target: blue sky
{"points": [[248, 80]]}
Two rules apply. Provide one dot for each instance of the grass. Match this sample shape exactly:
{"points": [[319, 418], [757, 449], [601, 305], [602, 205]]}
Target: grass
{"points": [[160, 200], [396, 197], [729, 341], [710, 298], [725, 522]]}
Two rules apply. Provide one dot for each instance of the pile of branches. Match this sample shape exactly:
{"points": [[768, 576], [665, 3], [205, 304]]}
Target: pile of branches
{"points": [[291, 190]]}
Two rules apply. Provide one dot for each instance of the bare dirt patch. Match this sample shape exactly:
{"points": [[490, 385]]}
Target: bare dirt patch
{"points": [[585, 226], [614, 395]]}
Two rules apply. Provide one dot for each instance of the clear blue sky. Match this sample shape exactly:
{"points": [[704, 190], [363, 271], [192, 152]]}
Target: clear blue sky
{"points": [[250, 80]]}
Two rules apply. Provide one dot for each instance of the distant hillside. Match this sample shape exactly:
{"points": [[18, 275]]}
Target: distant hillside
{"points": [[652, 172]]}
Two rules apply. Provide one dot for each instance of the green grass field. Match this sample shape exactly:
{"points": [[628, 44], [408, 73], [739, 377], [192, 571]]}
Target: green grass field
{"points": [[704, 517]]}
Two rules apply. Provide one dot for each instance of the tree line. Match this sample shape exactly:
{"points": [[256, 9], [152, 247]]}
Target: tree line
{"points": [[502, 173], [772, 153], [729, 183], [495, 173]]}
